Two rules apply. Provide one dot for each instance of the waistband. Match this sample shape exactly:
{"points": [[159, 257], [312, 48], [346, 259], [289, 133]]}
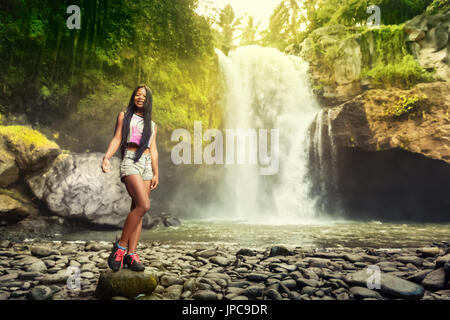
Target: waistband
{"points": [[134, 152]]}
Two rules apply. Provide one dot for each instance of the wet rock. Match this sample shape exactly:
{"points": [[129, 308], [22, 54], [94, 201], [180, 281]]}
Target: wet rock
{"points": [[273, 294], [59, 277], [9, 276], [257, 277], [29, 275], [246, 252], [410, 259], [362, 293], [435, 280], [173, 292], [221, 261], [419, 276], [253, 291], [168, 281], [217, 275], [41, 251], [40, 293], [390, 285], [429, 252], [124, 283], [302, 282], [207, 253], [205, 295], [293, 295], [441, 261], [279, 251], [239, 284]]}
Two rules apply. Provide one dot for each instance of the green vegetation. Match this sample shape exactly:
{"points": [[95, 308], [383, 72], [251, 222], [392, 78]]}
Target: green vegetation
{"points": [[406, 106], [29, 138], [75, 82]]}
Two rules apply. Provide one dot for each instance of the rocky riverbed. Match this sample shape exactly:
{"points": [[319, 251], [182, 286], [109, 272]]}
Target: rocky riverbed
{"points": [[40, 270]]}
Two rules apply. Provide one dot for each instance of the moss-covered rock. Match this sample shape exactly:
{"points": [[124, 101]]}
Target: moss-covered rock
{"points": [[9, 172], [11, 210], [344, 61], [125, 283], [32, 150]]}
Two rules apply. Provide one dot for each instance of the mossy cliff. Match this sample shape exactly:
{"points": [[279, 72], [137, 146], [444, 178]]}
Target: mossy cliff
{"points": [[344, 61]]}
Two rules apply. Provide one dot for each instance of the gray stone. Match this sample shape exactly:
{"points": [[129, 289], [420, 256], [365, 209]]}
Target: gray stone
{"points": [[173, 292], [239, 284], [410, 259], [419, 276], [279, 251], [189, 285], [435, 280], [4, 295], [390, 285], [168, 281], [240, 298], [290, 283], [441, 261], [40, 293], [253, 292], [302, 282], [317, 262], [9, 276], [273, 294], [57, 278], [221, 261], [41, 251], [29, 275], [257, 277], [246, 252], [362, 293], [293, 295], [205, 295], [308, 290], [429, 252], [213, 275], [328, 255], [207, 253]]}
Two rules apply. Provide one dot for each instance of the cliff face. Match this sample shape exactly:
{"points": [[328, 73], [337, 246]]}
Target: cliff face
{"points": [[370, 123], [384, 147], [346, 61]]}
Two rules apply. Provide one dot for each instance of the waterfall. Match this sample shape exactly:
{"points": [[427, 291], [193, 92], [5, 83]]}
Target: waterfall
{"points": [[266, 89]]}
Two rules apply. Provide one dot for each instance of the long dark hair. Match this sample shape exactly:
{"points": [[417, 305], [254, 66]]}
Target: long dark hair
{"points": [[148, 103]]}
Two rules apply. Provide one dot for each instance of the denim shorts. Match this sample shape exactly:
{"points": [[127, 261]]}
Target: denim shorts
{"points": [[143, 167]]}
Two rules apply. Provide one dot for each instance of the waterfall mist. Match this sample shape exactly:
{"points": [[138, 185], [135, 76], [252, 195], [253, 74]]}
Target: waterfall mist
{"points": [[266, 89]]}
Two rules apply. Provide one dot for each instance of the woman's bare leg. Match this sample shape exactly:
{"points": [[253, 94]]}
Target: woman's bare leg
{"points": [[134, 239], [137, 189]]}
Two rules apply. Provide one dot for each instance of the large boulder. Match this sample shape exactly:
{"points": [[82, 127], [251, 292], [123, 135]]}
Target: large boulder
{"points": [[362, 122], [390, 285], [75, 187], [9, 171], [125, 283], [31, 149]]}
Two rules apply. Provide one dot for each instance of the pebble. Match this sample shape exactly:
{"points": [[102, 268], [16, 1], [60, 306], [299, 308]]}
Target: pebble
{"points": [[213, 274]]}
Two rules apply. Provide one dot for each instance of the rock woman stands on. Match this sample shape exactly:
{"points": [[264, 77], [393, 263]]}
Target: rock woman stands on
{"points": [[135, 134]]}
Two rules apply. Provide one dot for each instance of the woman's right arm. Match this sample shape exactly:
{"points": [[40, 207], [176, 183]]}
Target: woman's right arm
{"points": [[115, 142]]}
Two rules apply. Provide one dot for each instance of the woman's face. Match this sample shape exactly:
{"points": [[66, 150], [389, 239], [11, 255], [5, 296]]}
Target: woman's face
{"points": [[139, 97]]}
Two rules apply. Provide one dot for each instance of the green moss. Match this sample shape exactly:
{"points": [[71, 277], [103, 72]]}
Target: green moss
{"points": [[438, 6], [406, 106], [21, 135]]}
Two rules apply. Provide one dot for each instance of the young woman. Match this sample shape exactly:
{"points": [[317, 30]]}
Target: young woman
{"points": [[135, 134]]}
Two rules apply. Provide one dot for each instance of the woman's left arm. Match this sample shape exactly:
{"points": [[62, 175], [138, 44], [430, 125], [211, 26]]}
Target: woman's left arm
{"points": [[154, 157]]}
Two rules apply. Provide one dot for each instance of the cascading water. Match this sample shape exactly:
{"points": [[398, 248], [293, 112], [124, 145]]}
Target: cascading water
{"points": [[266, 89]]}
